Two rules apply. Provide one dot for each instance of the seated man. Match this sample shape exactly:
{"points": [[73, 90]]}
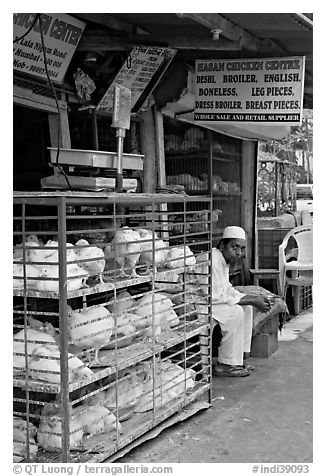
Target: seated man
{"points": [[232, 309]]}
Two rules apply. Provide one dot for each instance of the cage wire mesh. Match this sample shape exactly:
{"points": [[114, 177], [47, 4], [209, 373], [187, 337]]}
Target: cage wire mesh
{"points": [[111, 320]]}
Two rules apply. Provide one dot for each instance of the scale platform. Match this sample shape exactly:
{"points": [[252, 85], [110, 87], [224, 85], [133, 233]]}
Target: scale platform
{"points": [[96, 158], [58, 181]]}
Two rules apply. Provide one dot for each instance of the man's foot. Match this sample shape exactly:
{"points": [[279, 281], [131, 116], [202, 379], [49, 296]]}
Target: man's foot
{"points": [[246, 355], [223, 370]]}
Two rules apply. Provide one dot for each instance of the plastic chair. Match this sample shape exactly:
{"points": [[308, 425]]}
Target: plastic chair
{"points": [[296, 266], [306, 218]]}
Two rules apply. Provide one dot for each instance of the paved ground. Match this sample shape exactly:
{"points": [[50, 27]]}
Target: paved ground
{"points": [[264, 418]]}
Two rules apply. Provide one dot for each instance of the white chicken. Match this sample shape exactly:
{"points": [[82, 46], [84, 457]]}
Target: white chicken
{"points": [[124, 332], [50, 252], [44, 358], [49, 278], [169, 281], [78, 371], [20, 440], [90, 327], [126, 249], [186, 302], [180, 257], [176, 380], [124, 302], [31, 241], [123, 307], [48, 274], [31, 272], [153, 249], [122, 396], [155, 311], [49, 435], [96, 419], [95, 256], [170, 383], [35, 339], [202, 272]]}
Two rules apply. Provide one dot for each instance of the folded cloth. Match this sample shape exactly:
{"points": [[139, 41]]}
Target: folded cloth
{"points": [[278, 306]]}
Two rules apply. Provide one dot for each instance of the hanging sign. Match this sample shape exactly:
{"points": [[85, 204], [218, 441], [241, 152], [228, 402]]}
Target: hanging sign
{"points": [[139, 73], [61, 35], [250, 90]]}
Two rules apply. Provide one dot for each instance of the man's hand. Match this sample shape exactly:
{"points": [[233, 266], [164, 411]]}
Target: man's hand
{"points": [[262, 303]]}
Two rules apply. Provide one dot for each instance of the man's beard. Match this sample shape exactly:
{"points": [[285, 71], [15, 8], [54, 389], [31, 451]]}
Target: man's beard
{"points": [[233, 261]]}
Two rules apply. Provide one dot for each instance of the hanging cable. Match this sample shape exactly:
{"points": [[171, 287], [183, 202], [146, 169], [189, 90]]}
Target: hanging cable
{"points": [[29, 29], [38, 15]]}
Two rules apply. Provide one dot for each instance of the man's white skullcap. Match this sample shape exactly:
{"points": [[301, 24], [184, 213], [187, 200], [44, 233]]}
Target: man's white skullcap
{"points": [[234, 232]]}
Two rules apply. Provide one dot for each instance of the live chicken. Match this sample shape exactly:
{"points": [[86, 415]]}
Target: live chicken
{"points": [[96, 419], [49, 278], [43, 358], [153, 250], [94, 255], [124, 394], [32, 274], [170, 281], [20, 440], [126, 249], [50, 252], [49, 434], [43, 266], [170, 382], [156, 313], [180, 257], [91, 327], [20, 253], [123, 302]]}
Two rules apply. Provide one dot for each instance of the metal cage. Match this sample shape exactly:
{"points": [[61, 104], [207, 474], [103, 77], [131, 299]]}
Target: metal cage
{"points": [[111, 319]]}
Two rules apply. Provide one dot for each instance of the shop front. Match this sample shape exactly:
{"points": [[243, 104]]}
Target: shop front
{"points": [[112, 335]]}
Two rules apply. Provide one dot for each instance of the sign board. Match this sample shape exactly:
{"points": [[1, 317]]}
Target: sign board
{"points": [[138, 73], [257, 90], [61, 34]]}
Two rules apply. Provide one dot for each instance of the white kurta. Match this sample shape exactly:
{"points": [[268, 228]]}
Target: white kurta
{"points": [[235, 320]]}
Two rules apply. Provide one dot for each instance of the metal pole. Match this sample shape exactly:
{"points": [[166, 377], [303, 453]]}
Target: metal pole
{"points": [[120, 134], [94, 129], [63, 326]]}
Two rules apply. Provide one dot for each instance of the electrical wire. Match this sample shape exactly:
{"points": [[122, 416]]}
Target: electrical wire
{"points": [[38, 15], [29, 29]]}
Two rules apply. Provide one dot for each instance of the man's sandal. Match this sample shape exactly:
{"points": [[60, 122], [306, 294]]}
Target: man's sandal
{"points": [[234, 371], [248, 366]]}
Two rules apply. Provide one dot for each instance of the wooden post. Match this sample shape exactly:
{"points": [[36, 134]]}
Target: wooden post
{"points": [[161, 175], [147, 142], [248, 208], [65, 142]]}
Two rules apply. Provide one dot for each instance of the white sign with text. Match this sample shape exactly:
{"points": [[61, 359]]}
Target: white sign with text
{"points": [[136, 73], [61, 34], [250, 90]]}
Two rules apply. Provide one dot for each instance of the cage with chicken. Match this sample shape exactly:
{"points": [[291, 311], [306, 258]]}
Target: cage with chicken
{"points": [[111, 327]]}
